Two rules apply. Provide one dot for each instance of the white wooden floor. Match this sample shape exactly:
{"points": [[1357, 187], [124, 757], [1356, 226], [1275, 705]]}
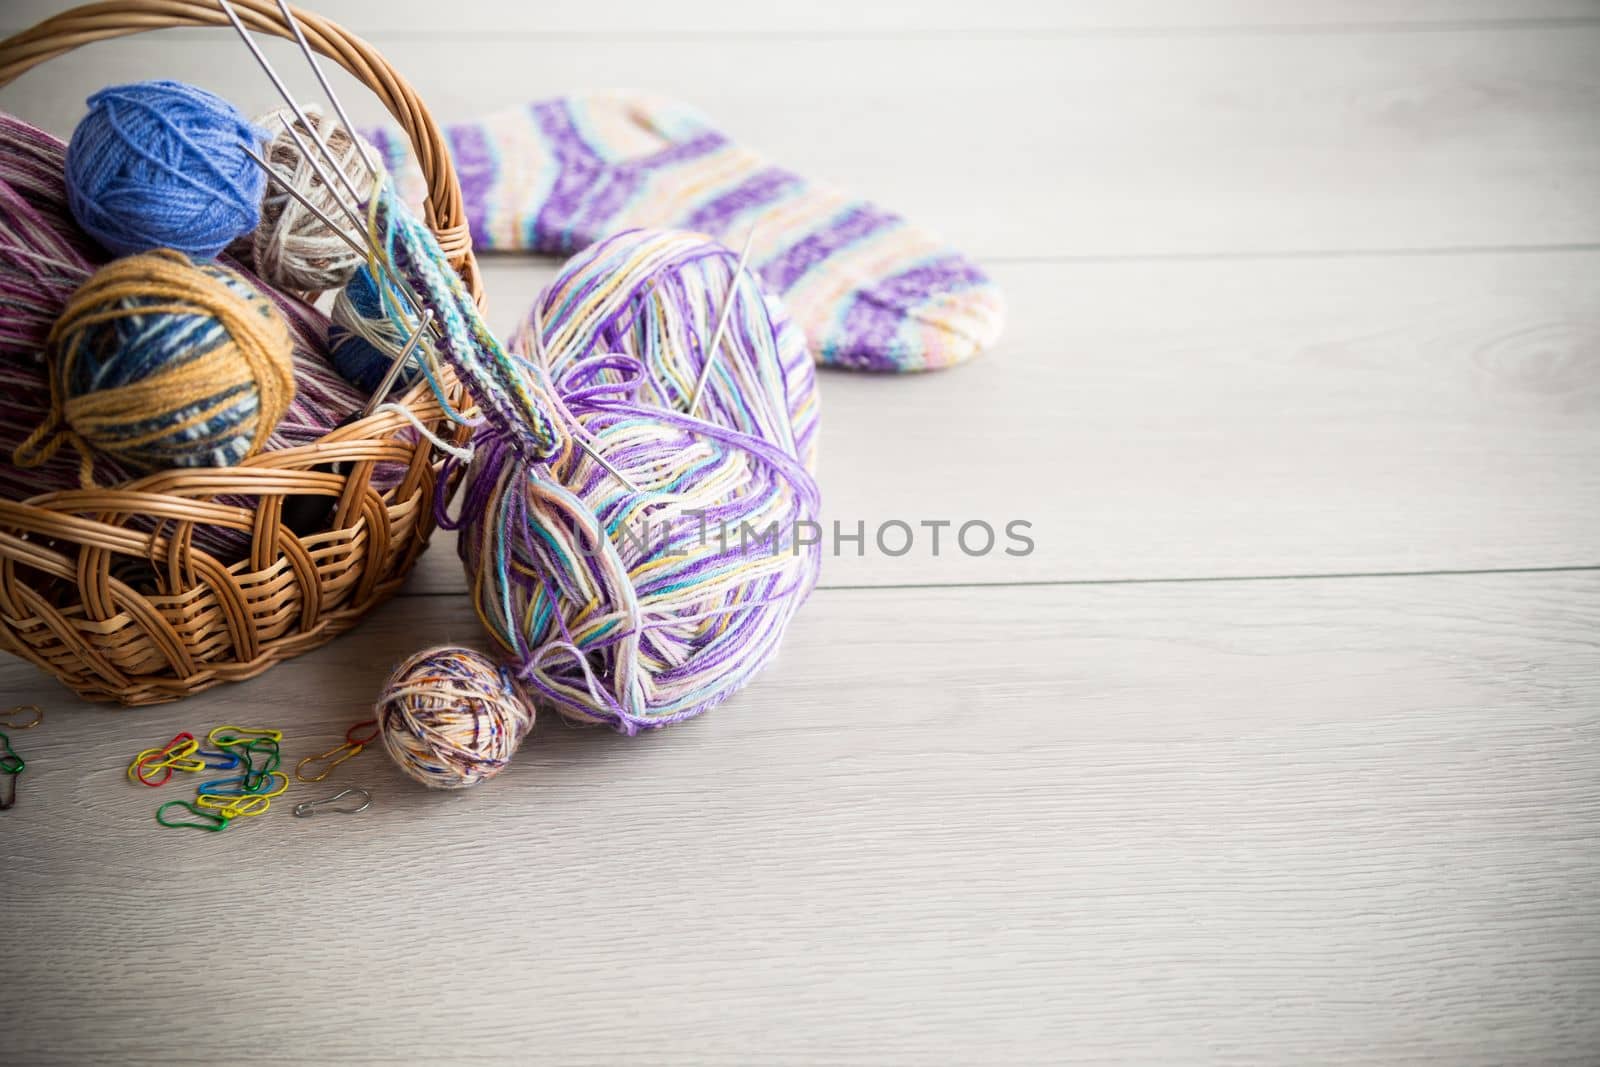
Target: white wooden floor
{"points": [[1283, 747]]}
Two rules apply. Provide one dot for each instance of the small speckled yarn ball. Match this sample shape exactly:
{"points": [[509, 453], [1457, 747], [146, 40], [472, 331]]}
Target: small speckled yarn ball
{"points": [[451, 717], [292, 248], [161, 164], [159, 362]]}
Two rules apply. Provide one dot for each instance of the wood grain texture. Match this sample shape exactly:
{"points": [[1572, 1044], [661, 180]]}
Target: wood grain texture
{"points": [[1158, 420], [1299, 286], [1140, 146], [1317, 822]]}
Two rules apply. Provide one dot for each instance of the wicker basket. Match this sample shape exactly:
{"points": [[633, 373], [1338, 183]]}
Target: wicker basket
{"points": [[120, 613]]}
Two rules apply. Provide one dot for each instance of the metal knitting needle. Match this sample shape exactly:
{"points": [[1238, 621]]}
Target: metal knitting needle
{"points": [[327, 87], [427, 322], [372, 171], [399, 359], [401, 287], [395, 367], [327, 154], [300, 198], [353, 209], [376, 256], [352, 213], [595, 454], [580, 431], [364, 252], [288, 98], [722, 321]]}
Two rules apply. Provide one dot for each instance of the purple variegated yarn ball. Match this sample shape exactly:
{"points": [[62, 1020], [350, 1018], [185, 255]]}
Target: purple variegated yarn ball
{"points": [[638, 515], [640, 607]]}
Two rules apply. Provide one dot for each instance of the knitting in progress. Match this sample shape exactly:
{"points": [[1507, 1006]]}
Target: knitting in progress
{"points": [[870, 290]]}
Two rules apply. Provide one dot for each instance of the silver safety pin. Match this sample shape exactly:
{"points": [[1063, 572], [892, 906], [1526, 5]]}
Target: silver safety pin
{"points": [[326, 804]]}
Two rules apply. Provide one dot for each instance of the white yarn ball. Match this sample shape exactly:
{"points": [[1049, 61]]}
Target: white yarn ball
{"points": [[292, 248]]}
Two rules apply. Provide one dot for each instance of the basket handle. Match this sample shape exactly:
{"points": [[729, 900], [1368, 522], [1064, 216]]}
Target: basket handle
{"points": [[79, 26]]}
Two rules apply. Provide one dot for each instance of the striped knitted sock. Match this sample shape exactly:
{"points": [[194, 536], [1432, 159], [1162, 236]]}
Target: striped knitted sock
{"points": [[870, 290]]}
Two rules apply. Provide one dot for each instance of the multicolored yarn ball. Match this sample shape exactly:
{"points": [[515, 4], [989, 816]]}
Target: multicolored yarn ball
{"points": [[292, 248], [369, 330], [450, 717], [161, 164], [160, 363], [655, 295], [44, 259], [602, 618], [636, 610]]}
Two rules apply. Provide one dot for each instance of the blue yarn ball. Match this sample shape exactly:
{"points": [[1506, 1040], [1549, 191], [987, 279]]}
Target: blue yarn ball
{"points": [[359, 361], [161, 164]]}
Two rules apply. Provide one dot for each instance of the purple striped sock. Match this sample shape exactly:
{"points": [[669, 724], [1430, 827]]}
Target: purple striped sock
{"points": [[871, 291]]}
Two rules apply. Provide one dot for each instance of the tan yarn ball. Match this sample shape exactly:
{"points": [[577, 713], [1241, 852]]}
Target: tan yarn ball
{"points": [[159, 362], [452, 717], [292, 248]]}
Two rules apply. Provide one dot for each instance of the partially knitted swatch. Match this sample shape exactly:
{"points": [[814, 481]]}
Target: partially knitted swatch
{"points": [[871, 291]]}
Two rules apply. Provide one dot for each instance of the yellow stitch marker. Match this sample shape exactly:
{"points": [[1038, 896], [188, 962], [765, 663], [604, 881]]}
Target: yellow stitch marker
{"points": [[234, 807], [355, 748], [240, 733], [243, 807], [177, 758], [9, 718]]}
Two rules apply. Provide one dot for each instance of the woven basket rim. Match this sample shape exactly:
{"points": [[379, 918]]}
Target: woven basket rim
{"points": [[110, 19]]}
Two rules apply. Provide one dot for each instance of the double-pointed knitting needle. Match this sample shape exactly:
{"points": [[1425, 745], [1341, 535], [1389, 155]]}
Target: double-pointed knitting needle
{"points": [[327, 86], [288, 98], [580, 431], [372, 169], [273, 176], [400, 361], [722, 321], [365, 252], [353, 213], [394, 370]]}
